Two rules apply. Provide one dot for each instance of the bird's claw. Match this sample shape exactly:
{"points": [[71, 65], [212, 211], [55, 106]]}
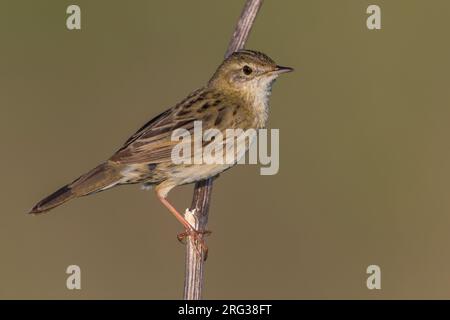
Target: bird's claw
{"points": [[197, 237]]}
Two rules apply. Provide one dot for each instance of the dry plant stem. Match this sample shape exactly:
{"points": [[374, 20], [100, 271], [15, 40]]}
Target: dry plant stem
{"points": [[243, 26], [194, 262], [198, 213]]}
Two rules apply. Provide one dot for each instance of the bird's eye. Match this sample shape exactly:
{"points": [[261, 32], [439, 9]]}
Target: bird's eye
{"points": [[247, 70]]}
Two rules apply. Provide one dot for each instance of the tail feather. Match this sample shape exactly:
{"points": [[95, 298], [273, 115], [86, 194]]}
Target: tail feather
{"points": [[98, 179]]}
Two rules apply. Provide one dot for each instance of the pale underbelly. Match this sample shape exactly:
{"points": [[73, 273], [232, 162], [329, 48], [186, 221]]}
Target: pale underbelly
{"points": [[195, 173], [203, 171]]}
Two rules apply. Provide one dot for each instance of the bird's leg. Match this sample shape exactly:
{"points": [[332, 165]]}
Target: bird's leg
{"points": [[196, 235]]}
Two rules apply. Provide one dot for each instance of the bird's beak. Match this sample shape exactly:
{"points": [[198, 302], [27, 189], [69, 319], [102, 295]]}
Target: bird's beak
{"points": [[280, 69]]}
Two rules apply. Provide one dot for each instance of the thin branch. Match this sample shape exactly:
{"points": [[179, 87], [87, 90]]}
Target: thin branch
{"points": [[198, 213], [243, 26], [198, 217]]}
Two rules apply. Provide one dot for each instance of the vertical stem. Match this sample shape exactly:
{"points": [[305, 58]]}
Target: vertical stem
{"points": [[198, 215], [194, 263], [243, 26]]}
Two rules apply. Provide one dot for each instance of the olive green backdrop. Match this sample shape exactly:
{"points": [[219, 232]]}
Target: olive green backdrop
{"points": [[364, 157]]}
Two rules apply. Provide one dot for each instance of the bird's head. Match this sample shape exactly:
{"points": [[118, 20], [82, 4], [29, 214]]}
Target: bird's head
{"points": [[247, 72]]}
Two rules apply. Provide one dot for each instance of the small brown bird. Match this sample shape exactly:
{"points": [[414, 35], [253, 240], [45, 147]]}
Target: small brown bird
{"points": [[236, 97]]}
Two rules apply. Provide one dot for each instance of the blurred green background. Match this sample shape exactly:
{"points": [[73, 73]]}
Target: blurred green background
{"points": [[364, 166]]}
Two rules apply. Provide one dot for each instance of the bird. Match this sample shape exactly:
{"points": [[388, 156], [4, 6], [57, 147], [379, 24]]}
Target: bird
{"points": [[235, 97]]}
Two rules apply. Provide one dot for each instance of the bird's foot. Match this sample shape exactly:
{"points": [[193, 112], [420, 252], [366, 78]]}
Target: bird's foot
{"points": [[197, 237]]}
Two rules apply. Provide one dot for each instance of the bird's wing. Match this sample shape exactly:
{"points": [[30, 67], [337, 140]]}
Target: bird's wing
{"points": [[153, 143]]}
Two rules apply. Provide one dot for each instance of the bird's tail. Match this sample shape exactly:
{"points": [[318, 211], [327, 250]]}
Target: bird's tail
{"points": [[102, 177]]}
